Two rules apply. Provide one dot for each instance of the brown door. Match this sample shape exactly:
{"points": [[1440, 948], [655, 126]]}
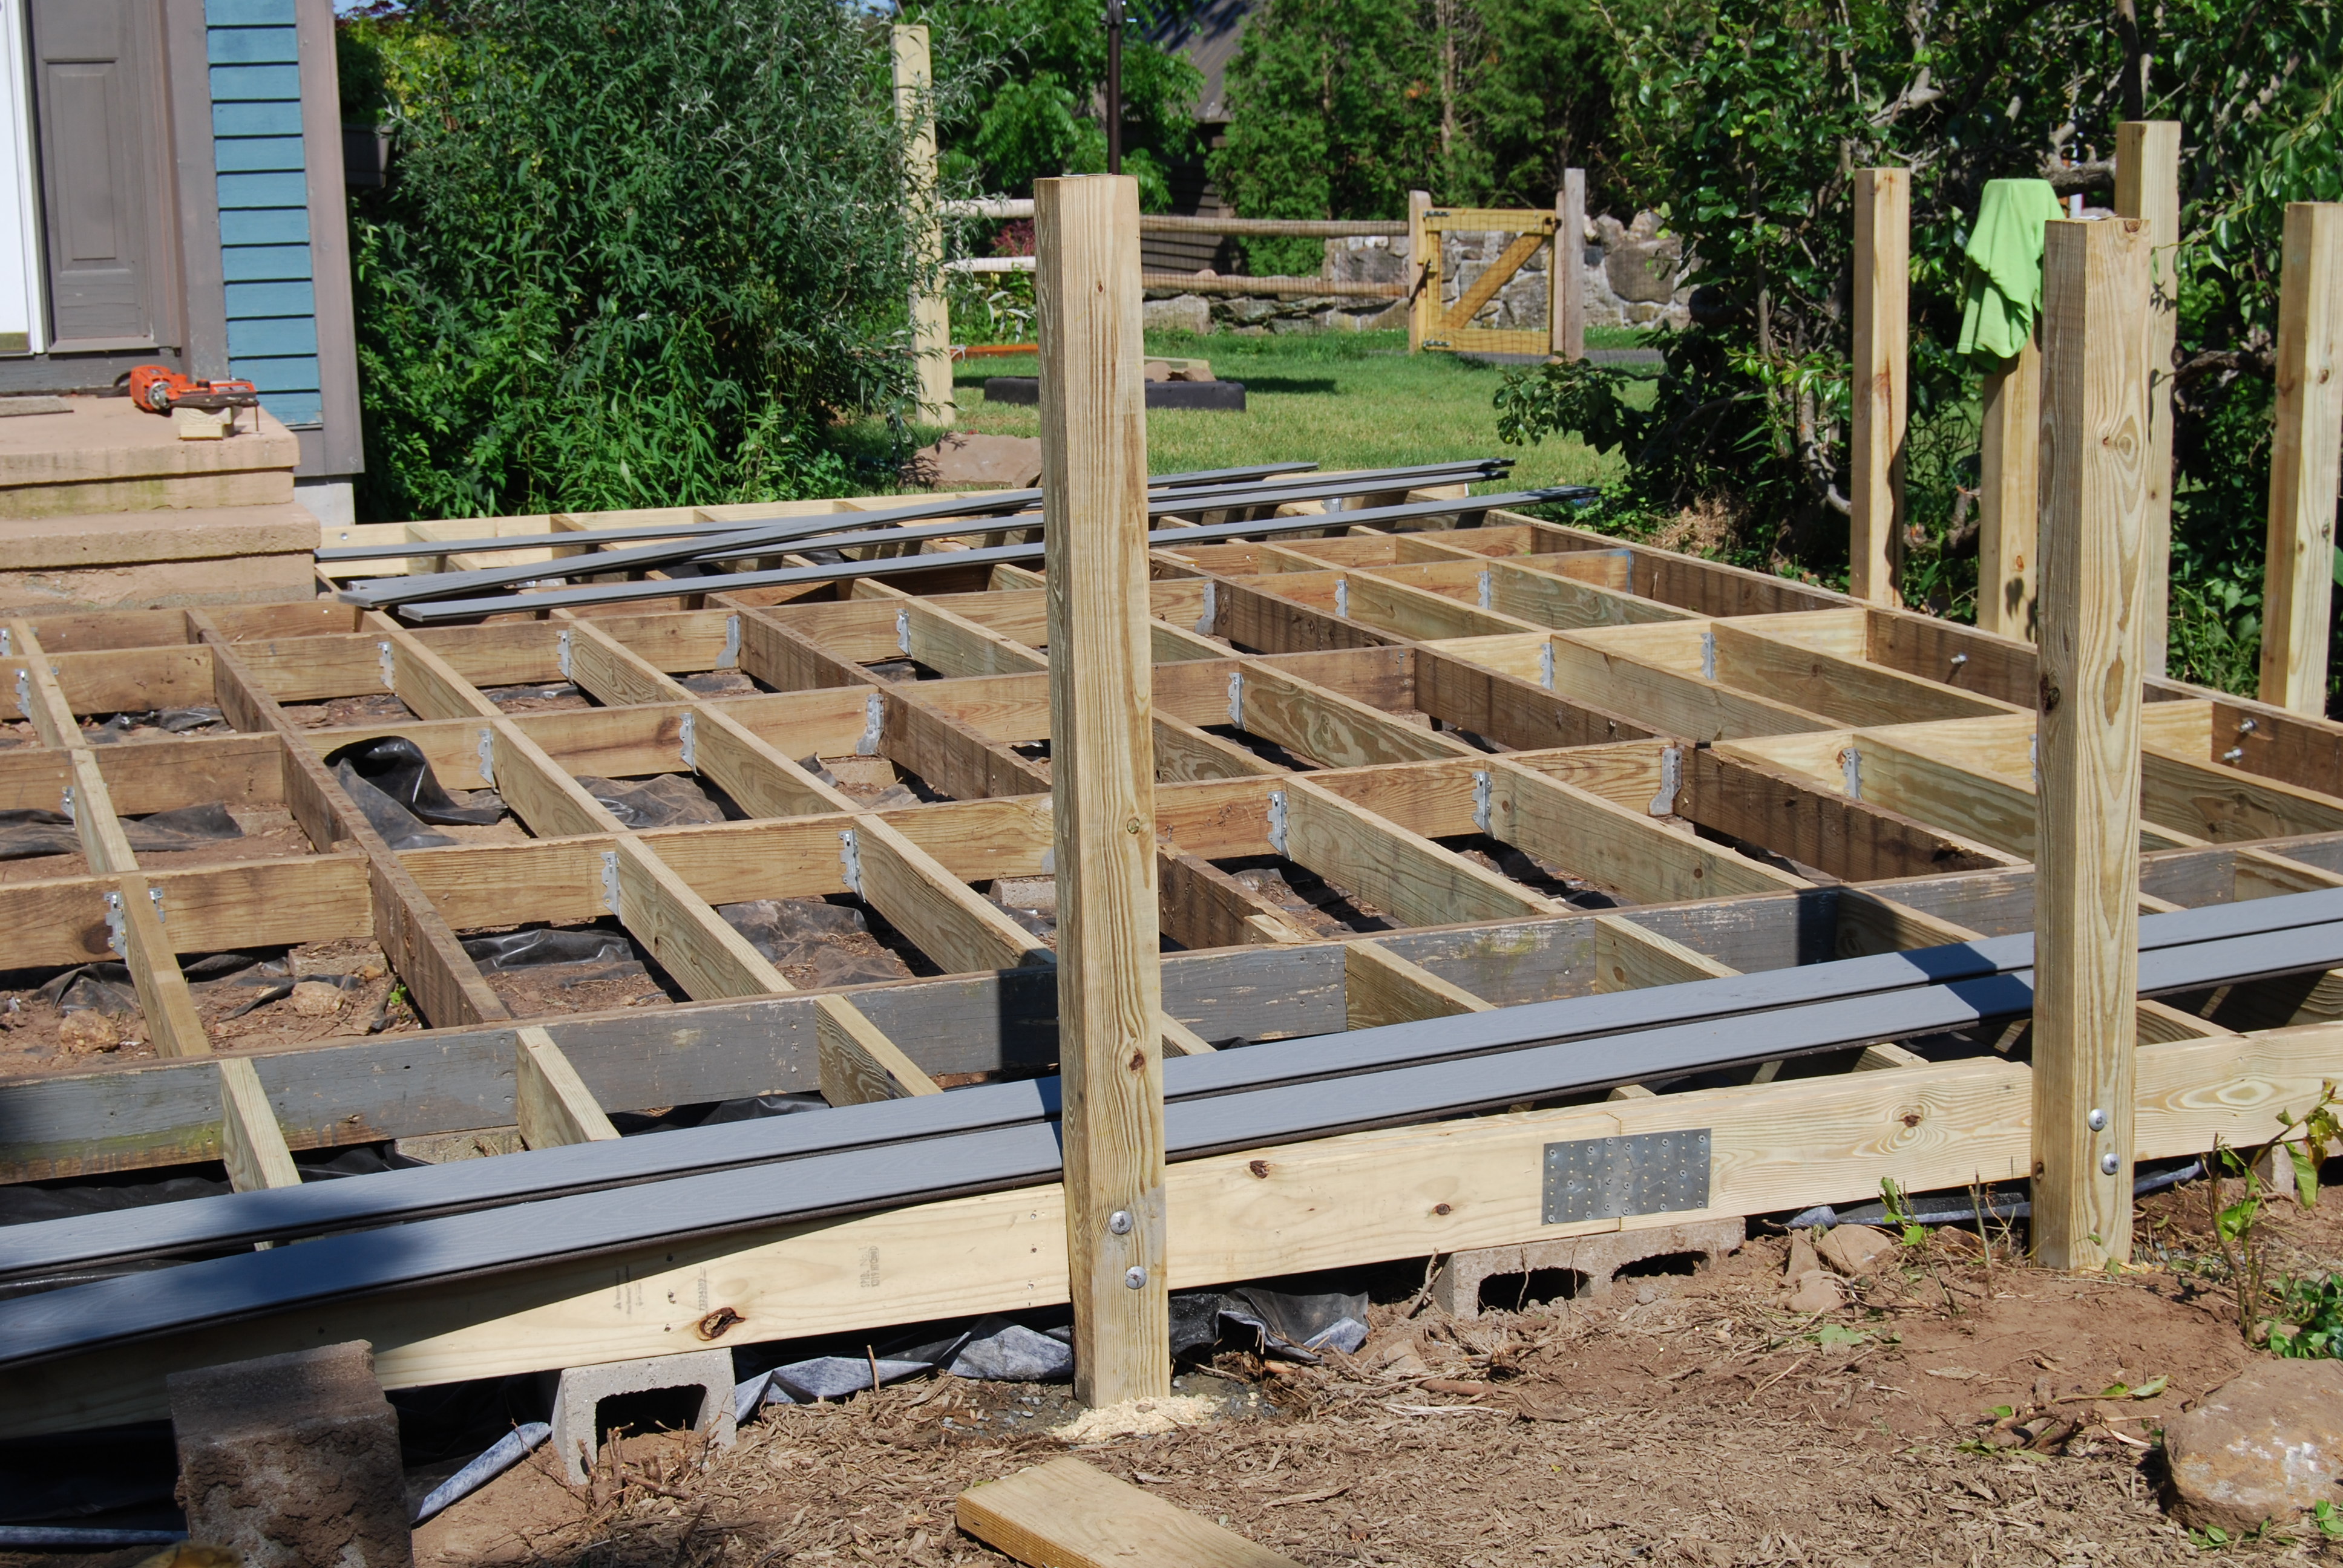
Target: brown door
{"points": [[97, 75]]}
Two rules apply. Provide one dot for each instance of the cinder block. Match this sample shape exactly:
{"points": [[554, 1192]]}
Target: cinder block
{"points": [[583, 1389], [1599, 1258], [293, 1460]]}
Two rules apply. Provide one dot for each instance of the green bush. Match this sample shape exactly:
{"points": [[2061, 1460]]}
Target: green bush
{"points": [[634, 253]]}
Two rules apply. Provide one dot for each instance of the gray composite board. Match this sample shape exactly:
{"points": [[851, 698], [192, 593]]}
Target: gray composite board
{"points": [[1299, 1088], [981, 1158]]}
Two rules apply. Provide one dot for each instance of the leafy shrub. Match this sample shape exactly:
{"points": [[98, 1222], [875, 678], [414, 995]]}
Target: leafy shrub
{"points": [[634, 253]]}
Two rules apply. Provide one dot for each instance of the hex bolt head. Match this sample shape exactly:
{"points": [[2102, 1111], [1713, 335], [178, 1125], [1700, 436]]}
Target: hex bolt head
{"points": [[1119, 1221], [2098, 1119], [1135, 1277], [2110, 1163]]}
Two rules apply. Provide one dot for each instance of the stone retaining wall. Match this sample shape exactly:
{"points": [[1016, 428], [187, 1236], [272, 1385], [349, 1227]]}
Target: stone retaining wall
{"points": [[1632, 275]]}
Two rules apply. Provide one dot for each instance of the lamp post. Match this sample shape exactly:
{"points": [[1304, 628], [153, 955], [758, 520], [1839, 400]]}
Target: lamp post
{"points": [[1114, 87]]}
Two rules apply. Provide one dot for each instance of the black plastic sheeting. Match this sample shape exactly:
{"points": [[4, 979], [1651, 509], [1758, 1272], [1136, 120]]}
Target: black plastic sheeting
{"points": [[169, 720], [392, 783], [27, 832], [665, 800]]}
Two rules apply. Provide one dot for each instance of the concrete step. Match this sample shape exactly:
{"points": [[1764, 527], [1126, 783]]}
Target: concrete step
{"points": [[105, 455], [157, 559]]}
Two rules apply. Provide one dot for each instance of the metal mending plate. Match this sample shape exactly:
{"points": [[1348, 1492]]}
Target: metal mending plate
{"points": [[1610, 1178]]}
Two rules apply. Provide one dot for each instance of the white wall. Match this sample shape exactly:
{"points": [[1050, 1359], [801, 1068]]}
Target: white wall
{"points": [[20, 245]]}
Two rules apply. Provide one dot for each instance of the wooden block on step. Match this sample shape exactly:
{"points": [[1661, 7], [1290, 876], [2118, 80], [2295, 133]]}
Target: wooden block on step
{"points": [[1065, 1515]]}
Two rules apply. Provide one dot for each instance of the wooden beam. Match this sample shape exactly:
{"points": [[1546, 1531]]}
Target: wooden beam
{"points": [[915, 111], [1204, 907], [1852, 839], [1110, 1000], [2148, 187], [1567, 307], [1422, 270], [858, 1063], [252, 1145], [416, 939], [1629, 956], [1883, 281], [2095, 397], [2009, 494], [1065, 1515], [550, 1101], [2306, 458], [1404, 874], [1379, 987]]}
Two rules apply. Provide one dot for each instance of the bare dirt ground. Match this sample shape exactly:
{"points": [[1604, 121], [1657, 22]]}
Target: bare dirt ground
{"points": [[1682, 1420]]}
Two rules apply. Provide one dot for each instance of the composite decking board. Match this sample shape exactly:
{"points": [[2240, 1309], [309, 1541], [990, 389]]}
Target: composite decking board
{"points": [[989, 1157], [2194, 949]]}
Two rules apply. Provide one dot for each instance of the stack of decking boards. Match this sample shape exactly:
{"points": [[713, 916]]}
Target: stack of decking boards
{"points": [[385, 1232], [1240, 503]]}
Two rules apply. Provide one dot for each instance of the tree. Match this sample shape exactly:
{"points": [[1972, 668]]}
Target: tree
{"points": [[1334, 112], [635, 252], [1027, 80]]}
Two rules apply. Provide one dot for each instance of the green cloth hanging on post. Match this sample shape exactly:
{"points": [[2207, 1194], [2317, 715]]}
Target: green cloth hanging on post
{"points": [[2005, 271]]}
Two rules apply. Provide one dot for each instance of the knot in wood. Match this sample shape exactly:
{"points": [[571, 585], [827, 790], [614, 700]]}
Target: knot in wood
{"points": [[714, 1324], [1259, 1168], [2049, 696]]}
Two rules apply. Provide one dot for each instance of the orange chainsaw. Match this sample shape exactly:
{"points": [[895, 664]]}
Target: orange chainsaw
{"points": [[159, 389]]}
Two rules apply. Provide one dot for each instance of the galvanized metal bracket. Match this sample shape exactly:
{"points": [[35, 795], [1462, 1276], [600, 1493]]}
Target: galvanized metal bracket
{"points": [[903, 631], [1850, 771], [66, 805], [611, 880], [1663, 804], [689, 737], [1342, 598], [1611, 1178], [1206, 621], [1487, 590], [1545, 664], [389, 665], [113, 938], [849, 860], [1484, 787], [1236, 697], [487, 750], [731, 657], [6, 635], [1708, 656], [24, 692], [1277, 821], [874, 725], [564, 653]]}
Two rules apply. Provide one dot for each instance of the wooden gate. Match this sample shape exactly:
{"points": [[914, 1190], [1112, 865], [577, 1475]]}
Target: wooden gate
{"points": [[1450, 328]]}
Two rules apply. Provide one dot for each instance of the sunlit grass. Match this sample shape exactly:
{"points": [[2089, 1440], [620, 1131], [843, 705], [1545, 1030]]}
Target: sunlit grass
{"points": [[1342, 400]]}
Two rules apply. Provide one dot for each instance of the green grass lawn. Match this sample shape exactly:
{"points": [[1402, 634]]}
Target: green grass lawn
{"points": [[1344, 400]]}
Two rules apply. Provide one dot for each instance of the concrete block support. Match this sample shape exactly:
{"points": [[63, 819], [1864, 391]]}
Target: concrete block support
{"points": [[582, 1391], [1597, 1260], [293, 1460]]}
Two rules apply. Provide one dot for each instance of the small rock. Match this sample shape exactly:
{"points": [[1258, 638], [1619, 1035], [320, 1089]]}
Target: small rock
{"points": [[371, 971], [1817, 1292], [317, 999], [2266, 1444], [1854, 1251], [1803, 1261], [1037, 893], [87, 1031]]}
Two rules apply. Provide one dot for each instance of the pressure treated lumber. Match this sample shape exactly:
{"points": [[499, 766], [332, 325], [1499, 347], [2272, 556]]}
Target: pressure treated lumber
{"points": [[551, 1103], [2148, 187], [2298, 584], [2009, 494], [1882, 269], [915, 112], [1065, 1515], [1102, 771], [1567, 307], [2099, 443]]}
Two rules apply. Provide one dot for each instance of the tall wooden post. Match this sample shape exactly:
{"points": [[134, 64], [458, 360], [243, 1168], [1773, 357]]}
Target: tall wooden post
{"points": [[2096, 448], [1102, 775], [930, 313], [2147, 187], [2009, 467], [2298, 584], [1422, 272], [1883, 282], [1566, 314]]}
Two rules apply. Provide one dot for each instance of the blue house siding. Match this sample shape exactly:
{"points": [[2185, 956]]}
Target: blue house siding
{"points": [[254, 48]]}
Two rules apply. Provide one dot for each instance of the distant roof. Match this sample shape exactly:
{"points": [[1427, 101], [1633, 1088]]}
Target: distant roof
{"points": [[1209, 35]]}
